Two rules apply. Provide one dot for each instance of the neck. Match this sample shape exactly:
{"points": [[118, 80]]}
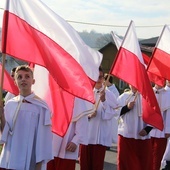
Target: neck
{"points": [[25, 93]]}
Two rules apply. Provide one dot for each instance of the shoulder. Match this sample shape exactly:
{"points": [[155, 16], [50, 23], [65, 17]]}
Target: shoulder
{"points": [[39, 101]]}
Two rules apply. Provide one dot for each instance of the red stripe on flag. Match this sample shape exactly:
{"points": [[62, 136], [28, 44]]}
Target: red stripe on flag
{"points": [[9, 84], [128, 68], [159, 64], [26, 43]]}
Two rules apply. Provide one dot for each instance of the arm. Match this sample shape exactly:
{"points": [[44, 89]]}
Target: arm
{"points": [[145, 131], [80, 134], [109, 106], [127, 108], [166, 123]]}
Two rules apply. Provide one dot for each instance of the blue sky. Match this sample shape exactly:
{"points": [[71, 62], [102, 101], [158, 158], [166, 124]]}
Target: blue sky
{"points": [[152, 15]]}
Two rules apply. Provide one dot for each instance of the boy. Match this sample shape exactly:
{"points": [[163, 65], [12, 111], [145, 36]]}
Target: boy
{"points": [[27, 136]]}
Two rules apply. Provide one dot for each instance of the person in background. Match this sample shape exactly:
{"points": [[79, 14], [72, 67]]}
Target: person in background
{"points": [[100, 124], [27, 135], [166, 157], [111, 86], [66, 149], [159, 138], [134, 144]]}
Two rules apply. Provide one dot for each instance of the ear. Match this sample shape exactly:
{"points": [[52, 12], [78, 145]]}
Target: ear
{"points": [[33, 81]]}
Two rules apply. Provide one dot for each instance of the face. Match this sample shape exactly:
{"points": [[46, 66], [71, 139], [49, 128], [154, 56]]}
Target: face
{"points": [[100, 78], [24, 80]]}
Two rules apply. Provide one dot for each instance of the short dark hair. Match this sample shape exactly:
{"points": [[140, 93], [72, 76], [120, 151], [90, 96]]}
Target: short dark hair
{"points": [[13, 70], [26, 68], [110, 78]]}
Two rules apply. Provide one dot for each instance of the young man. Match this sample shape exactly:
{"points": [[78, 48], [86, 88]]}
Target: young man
{"points": [[99, 128], [159, 138], [111, 86], [134, 144], [27, 136]]}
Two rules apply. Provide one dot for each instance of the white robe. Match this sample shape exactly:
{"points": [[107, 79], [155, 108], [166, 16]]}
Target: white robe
{"points": [[30, 141], [76, 133], [166, 156], [100, 127], [131, 123], [114, 90], [163, 98]]}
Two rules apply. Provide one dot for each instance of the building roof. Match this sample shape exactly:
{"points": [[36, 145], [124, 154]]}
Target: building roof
{"points": [[149, 42]]}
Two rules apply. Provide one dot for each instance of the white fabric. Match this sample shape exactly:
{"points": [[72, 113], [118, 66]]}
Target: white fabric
{"points": [[131, 123], [31, 140], [167, 88], [166, 156], [76, 133], [163, 40], [65, 36], [113, 89], [133, 46], [100, 127], [163, 98]]}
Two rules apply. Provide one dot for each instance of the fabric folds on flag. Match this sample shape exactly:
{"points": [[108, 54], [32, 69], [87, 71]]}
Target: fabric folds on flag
{"points": [[129, 66], [34, 33], [152, 76], [117, 40], [59, 101], [9, 84], [159, 64]]}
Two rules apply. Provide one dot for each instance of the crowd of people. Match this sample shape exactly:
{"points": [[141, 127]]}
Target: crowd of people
{"points": [[29, 144]]}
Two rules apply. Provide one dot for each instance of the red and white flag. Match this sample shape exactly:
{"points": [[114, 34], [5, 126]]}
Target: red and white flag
{"points": [[117, 40], [34, 33], [59, 101], [152, 77], [129, 66], [160, 59], [8, 83]]}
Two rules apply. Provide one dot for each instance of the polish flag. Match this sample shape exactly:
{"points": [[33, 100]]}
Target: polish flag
{"points": [[160, 59], [129, 66], [59, 101], [8, 83], [117, 40], [152, 77], [34, 33]]}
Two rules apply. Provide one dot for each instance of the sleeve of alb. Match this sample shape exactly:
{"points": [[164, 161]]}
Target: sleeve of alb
{"points": [[124, 110]]}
